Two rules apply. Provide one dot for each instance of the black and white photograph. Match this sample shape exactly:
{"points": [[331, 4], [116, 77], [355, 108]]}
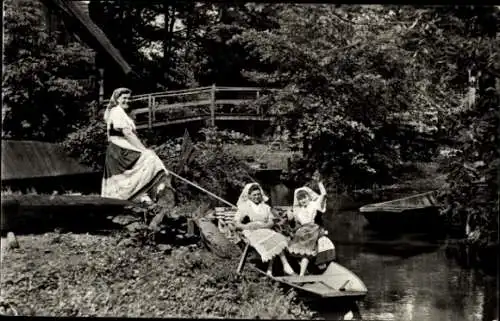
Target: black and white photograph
{"points": [[250, 160]]}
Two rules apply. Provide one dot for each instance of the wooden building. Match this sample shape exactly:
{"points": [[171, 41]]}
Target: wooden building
{"points": [[71, 19], [45, 167]]}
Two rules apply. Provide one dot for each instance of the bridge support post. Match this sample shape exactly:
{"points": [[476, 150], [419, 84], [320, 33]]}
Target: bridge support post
{"points": [[257, 96], [212, 106]]}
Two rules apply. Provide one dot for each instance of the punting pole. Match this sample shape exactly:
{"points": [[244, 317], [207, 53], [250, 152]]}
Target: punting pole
{"points": [[201, 189], [247, 246]]}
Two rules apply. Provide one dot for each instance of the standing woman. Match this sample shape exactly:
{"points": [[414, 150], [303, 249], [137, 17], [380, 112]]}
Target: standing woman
{"points": [[131, 171]]}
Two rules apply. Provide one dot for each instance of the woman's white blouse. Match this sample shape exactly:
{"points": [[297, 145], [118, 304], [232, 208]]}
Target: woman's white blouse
{"points": [[120, 120], [307, 214], [255, 212]]}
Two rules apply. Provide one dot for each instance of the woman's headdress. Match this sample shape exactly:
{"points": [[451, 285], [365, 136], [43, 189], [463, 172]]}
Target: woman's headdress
{"points": [[312, 194], [113, 101], [244, 194]]}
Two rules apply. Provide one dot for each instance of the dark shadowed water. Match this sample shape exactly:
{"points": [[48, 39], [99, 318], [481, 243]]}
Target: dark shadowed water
{"points": [[409, 276]]}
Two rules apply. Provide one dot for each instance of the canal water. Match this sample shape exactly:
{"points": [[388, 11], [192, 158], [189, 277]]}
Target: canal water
{"points": [[408, 276]]}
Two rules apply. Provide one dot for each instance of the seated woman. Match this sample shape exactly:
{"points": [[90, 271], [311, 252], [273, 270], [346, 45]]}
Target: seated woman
{"points": [[268, 243], [306, 204], [131, 170]]}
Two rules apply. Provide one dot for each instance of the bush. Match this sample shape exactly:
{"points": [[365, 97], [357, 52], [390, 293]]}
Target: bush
{"points": [[43, 91], [210, 166], [88, 144], [216, 136], [471, 195]]}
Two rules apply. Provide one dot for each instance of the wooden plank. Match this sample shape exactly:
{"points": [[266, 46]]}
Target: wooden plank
{"points": [[172, 122], [163, 108], [232, 101], [310, 278], [244, 117], [243, 258], [216, 241], [203, 117], [197, 90], [172, 93], [64, 200]]}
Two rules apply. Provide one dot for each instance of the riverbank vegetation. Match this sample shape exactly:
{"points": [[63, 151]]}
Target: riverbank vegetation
{"points": [[102, 276], [366, 89]]}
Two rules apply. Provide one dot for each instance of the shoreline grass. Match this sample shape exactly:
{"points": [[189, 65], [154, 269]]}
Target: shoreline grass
{"points": [[93, 275]]}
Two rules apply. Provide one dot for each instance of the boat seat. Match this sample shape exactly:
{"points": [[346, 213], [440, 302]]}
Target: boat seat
{"points": [[225, 223]]}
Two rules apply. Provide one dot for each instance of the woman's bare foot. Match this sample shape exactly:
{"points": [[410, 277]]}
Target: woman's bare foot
{"points": [[270, 268], [303, 266], [146, 199], [160, 188]]}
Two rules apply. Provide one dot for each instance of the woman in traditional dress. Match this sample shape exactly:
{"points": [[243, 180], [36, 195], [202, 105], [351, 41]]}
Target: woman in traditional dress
{"points": [[307, 241], [255, 218], [131, 170]]}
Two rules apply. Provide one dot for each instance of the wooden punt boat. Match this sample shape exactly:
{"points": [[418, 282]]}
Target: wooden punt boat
{"points": [[416, 212], [33, 212], [335, 281]]}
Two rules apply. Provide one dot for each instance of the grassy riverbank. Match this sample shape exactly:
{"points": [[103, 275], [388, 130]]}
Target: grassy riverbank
{"points": [[97, 275]]}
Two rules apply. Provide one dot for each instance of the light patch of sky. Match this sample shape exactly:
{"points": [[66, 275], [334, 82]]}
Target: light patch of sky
{"points": [[155, 48]]}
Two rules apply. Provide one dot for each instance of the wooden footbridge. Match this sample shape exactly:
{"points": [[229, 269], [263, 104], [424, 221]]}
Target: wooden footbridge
{"points": [[209, 104]]}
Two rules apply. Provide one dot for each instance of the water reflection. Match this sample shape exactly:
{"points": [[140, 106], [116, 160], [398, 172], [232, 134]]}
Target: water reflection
{"points": [[409, 276]]}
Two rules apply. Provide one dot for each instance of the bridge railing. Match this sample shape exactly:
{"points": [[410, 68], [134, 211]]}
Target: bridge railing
{"points": [[160, 107]]}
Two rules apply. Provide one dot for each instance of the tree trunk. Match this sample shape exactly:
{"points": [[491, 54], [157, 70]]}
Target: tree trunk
{"points": [[167, 40]]}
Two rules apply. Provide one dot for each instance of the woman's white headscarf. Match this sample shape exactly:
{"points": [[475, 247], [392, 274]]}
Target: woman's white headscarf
{"points": [[244, 194], [312, 194], [113, 101]]}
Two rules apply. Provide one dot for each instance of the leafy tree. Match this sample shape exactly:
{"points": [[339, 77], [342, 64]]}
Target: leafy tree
{"points": [[471, 197], [222, 58], [45, 84], [192, 41], [349, 85]]}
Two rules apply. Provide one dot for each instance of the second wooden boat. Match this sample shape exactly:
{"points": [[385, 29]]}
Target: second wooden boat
{"points": [[416, 212]]}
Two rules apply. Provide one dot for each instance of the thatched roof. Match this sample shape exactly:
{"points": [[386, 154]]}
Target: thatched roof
{"points": [[77, 19], [31, 159]]}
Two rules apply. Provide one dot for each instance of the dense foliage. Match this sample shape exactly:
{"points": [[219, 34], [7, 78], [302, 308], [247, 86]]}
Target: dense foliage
{"points": [[46, 83], [354, 67], [471, 196], [190, 41], [88, 143], [366, 89], [210, 165]]}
